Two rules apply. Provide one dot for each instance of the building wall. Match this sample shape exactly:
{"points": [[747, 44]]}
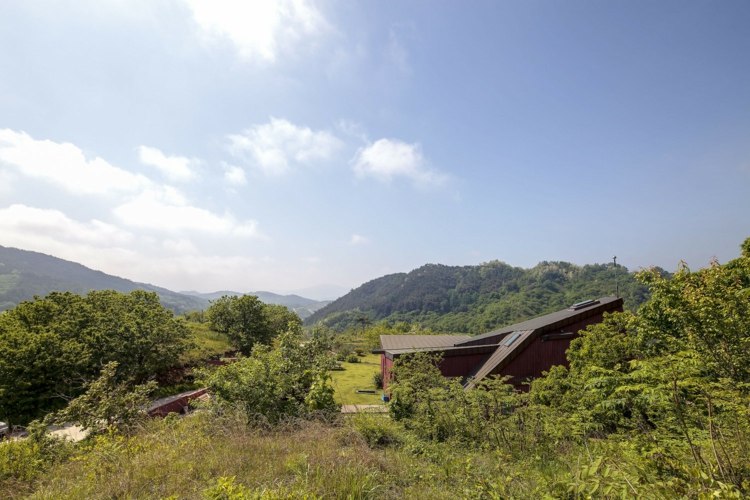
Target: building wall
{"points": [[542, 355], [461, 366], [385, 369], [450, 366]]}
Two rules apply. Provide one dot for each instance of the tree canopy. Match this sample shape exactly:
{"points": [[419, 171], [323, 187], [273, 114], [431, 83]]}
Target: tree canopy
{"points": [[476, 299], [248, 321], [288, 379], [51, 347]]}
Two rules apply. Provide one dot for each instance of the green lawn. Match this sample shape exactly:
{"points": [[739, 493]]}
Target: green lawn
{"points": [[357, 376]]}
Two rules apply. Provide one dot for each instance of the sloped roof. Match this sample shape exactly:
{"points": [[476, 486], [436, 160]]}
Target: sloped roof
{"points": [[501, 354], [391, 342], [548, 321]]}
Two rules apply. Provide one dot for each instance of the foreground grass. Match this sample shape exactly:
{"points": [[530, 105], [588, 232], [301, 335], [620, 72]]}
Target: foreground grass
{"points": [[356, 376], [204, 457], [362, 456]]}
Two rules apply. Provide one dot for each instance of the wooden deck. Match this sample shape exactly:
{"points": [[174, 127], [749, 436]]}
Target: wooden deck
{"points": [[364, 409]]}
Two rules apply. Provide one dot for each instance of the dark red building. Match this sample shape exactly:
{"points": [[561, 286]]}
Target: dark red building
{"points": [[522, 351]]}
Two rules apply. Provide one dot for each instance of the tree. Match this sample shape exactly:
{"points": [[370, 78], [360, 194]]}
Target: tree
{"points": [[107, 404], [287, 380], [248, 321], [51, 347]]}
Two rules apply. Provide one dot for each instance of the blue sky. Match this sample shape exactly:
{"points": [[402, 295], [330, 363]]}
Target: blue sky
{"points": [[286, 145]]}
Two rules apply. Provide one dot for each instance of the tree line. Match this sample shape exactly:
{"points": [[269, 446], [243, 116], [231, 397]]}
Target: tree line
{"points": [[658, 399], [476, 299]]}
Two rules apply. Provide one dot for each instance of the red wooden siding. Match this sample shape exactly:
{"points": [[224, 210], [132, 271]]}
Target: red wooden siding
{"points": [[541, 355]]}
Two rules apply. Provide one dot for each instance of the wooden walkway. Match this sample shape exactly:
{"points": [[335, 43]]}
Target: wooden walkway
{"points": [[364, 409]]}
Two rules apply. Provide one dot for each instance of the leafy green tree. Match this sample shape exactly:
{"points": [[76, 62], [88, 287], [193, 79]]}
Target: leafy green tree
{"points": [[107, 404], [51, 347], [247, 321], [282, 319], [277, 382], [674, 377]]}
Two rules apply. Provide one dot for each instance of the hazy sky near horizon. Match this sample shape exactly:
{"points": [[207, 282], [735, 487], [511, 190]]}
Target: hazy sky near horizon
{"points": [[206, 144]]}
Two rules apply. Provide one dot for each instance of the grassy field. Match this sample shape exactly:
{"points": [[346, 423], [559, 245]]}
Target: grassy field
{"points": [[357, 376], [206, 343]]}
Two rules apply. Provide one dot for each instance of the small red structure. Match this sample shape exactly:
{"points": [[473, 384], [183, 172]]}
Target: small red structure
{"points": [[178, 403], [522, 351]]}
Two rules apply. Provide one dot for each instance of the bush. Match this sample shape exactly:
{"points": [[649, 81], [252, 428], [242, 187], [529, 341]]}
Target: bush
{"points": [[352, 358], [286, 381], [377, 380], [378, 430], [25, 459], [360, 351]]}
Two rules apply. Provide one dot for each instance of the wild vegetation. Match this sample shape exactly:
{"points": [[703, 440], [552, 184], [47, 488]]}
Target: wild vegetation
{"points": [[655, 404], [476, 299], [52, 347]]}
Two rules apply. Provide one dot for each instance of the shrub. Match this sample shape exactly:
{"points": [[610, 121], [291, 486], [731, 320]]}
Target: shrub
{"points": [[288, 380], [377, 380], [378, 430], [25, 459], [352, 358]]}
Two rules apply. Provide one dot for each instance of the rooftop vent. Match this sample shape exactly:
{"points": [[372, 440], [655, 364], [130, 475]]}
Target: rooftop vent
{"points": [[581, 305]]}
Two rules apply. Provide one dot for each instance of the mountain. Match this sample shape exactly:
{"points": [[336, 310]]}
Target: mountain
{"points": [[326, 292], [24, 274], [476, 299], [301, 305]]}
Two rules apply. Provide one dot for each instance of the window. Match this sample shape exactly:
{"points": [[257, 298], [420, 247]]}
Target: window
{"points": [[511, 338]]}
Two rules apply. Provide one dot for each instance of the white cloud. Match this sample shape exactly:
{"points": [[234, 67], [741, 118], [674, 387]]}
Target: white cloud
{"points": [[258, 29], [65, 164], [166, 209], [386, 159], [276, 146], [173, 262], [175, 168], [358, 239], [234, 175], [27, 227]]}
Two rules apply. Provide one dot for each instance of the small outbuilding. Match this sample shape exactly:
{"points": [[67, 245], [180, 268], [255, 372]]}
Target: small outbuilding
{"points": [[522, 351]]}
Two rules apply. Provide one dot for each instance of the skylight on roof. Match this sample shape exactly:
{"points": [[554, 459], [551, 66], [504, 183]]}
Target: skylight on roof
{"points": [[585, 303], [511, 338]]}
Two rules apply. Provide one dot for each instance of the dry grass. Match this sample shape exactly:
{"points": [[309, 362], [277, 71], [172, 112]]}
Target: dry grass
{"points": [[184, 457]]}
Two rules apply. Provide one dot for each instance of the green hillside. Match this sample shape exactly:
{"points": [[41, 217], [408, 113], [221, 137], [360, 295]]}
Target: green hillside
{"points": [[475, 299], [24, 274]]}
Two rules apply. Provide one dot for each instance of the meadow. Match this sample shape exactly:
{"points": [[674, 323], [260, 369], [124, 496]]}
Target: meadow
{"points": [[357, 376]]}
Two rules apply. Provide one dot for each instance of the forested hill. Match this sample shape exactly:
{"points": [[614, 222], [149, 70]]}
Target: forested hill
{"points": [[475, 299], [24, 274], [303, 306]]}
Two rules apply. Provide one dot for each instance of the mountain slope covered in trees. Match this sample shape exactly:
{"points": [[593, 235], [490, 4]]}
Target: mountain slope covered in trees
{"points": [[475, 299], [24, 274]]}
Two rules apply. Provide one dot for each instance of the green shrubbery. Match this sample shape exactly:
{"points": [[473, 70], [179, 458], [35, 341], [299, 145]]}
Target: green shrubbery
{"points": [[52, 346], [654, 405], [276, 383], [659, 400]]}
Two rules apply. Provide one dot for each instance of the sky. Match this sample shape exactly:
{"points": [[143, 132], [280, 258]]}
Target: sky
{"points": [[307, 146]]}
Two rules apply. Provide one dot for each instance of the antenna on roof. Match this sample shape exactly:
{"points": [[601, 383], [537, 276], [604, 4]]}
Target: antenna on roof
{"points": [[617, 283]]}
